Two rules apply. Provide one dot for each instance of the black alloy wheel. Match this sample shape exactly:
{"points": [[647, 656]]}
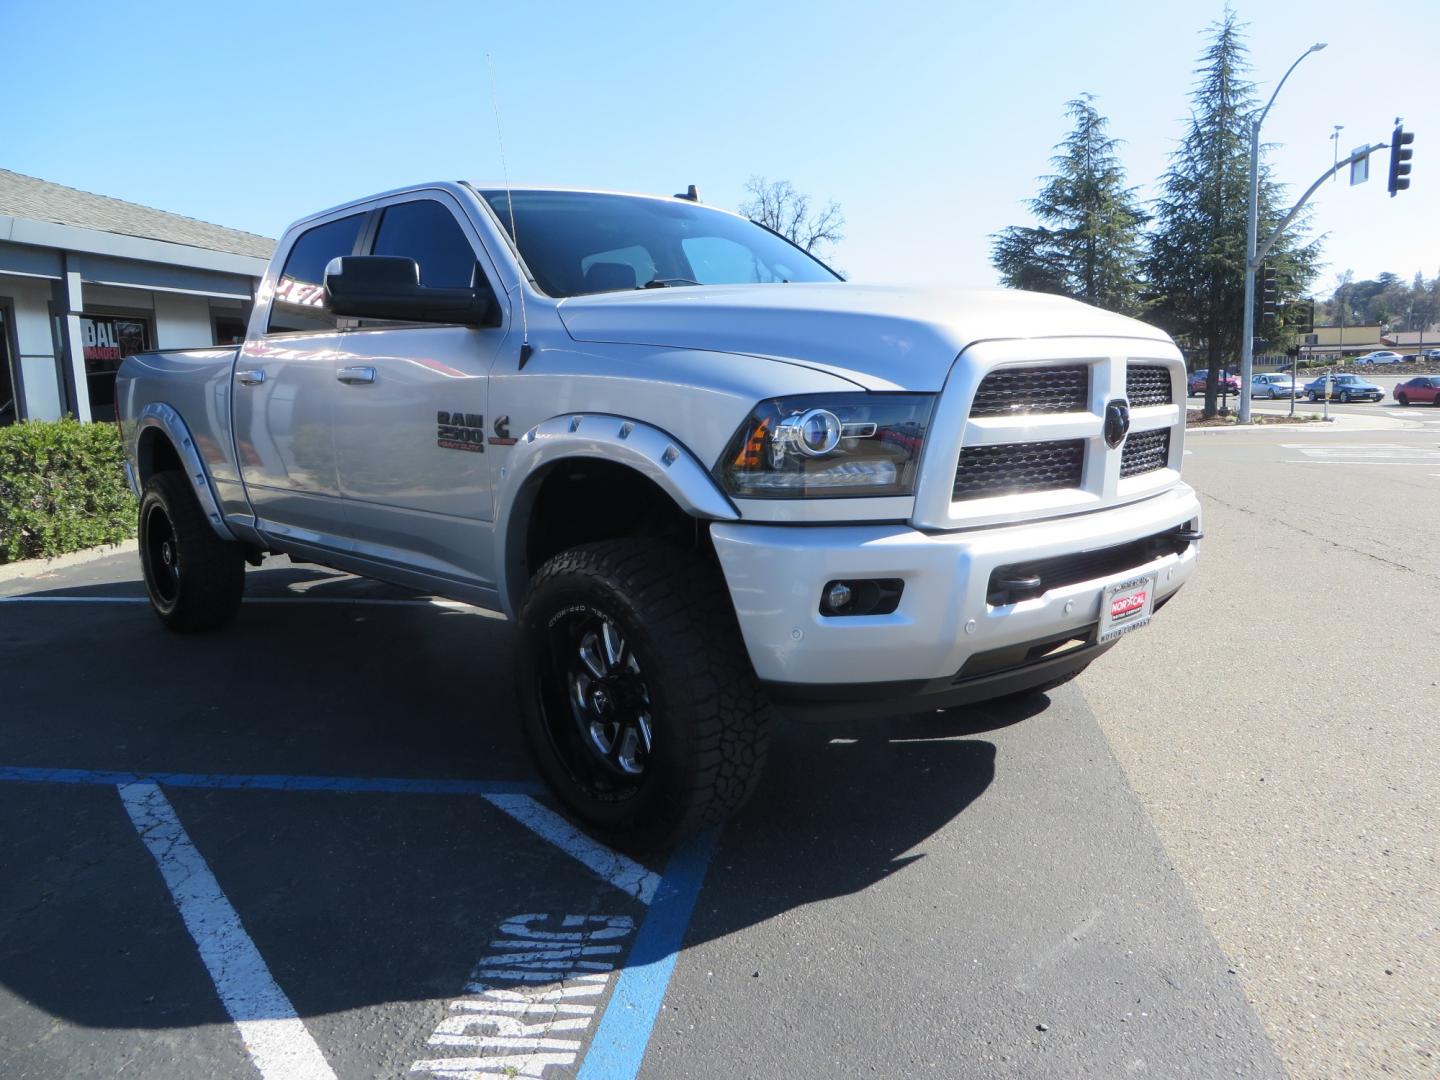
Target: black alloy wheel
{"points": [[598, 712], [161, 552]]}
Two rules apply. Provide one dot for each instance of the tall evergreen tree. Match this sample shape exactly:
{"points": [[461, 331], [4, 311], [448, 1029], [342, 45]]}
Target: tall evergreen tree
{"points": [[1197, 251], [1093, 246]]}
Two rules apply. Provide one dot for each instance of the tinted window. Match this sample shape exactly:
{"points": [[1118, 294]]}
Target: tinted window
{"points": [[300, 292], [563, 234], [428, 233]]}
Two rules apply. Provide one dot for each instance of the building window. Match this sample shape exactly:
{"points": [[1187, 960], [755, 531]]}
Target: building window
{"points": [[9, 385], [108, 339]]}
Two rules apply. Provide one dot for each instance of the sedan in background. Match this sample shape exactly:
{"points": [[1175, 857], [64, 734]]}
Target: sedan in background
{"points": [[1421, 390], [1272, 385], [1380, 356], [1344, 388], [1227, 384]]}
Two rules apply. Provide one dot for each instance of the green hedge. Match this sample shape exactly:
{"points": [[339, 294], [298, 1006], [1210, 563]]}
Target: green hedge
{"points": [[62, 488]]}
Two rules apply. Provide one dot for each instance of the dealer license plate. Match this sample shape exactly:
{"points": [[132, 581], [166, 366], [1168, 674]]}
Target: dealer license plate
{"points": [[1126, 606]]}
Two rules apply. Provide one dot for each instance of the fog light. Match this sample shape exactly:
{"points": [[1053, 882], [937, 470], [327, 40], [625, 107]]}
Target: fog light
{"points": [[865, 596]]}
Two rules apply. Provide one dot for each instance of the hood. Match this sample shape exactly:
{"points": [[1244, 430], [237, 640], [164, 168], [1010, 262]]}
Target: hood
{"points": [[881, 337]]}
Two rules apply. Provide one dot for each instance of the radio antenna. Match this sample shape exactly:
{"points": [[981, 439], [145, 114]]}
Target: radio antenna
{"points": [[525, 349]]}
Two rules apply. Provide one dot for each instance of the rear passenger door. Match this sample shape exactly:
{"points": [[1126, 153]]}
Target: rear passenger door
{"points": [[411, 415], [283, 394]]}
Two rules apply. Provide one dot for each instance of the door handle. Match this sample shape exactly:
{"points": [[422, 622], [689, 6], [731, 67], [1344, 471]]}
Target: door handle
{"points": [[353, 376], [253, 377]]}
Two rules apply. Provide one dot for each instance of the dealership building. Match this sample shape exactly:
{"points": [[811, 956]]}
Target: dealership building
{"points": [[87, 280]]}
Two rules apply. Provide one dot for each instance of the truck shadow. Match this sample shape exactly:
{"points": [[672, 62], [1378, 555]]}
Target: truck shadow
{"points": [[349, 896]]}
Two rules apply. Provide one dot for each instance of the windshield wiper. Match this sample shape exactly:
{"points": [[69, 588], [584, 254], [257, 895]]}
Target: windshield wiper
{"points": [[668, 282]]}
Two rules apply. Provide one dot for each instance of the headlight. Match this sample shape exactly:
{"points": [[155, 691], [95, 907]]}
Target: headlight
{"points": [[827, 446]]}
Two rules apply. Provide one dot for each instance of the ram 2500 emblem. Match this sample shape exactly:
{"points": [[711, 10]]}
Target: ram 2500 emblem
{"points": [[460, 431]]}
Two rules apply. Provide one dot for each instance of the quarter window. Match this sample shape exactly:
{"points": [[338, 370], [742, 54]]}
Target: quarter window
{"points": [[299, 298]]}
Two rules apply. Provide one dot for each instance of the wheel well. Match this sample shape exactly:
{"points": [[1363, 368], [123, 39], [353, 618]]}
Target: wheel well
{"points": [[155, 453], [582, 500]]}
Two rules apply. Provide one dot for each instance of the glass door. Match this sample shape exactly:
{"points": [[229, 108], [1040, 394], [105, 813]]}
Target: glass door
{"points": [[9, 385]]}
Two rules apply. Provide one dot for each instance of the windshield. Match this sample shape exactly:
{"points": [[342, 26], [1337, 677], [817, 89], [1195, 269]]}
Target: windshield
{"points": [[581, 242]]}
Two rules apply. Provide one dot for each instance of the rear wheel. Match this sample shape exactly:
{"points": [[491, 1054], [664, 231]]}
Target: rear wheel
{"points": [[1345, 397], [193, 577], [1312, 395], [639, 704]]}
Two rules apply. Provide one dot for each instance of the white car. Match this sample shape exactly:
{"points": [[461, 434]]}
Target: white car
{"points": [[1272, 385], [1382, 356]]}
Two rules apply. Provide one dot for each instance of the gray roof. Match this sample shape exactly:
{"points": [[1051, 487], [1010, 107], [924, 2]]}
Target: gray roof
{"points": [[26, 197]]}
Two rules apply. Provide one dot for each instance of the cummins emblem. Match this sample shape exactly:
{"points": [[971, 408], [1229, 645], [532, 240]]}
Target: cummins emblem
{"points": [[1117, 422]]}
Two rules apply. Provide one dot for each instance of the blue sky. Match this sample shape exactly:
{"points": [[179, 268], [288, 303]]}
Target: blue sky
{"points": [[927, 122]]}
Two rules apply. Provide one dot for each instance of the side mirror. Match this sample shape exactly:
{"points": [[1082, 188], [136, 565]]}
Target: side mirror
{"points": [[388, 287]]}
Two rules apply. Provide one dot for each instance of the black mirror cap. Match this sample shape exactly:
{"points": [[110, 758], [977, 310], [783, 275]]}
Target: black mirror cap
{"points": [[388, 287]]}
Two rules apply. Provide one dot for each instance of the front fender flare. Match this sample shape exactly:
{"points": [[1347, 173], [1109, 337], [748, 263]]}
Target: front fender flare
{"points": [[643, 447], [164, 417]]}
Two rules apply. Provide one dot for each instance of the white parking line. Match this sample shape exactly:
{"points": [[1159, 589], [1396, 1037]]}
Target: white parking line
{"points": [[274, 1036], [625, 874], [449, 605]]}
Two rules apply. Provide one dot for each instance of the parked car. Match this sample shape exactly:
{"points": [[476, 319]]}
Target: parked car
{"points": [[1273, 384], [1422, 390], [1380, 356], [1344, 388], [1196, 383], [1430, 354]]}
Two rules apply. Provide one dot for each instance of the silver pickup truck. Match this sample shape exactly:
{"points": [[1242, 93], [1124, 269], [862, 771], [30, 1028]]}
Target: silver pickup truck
{"points": [[705, 478]]}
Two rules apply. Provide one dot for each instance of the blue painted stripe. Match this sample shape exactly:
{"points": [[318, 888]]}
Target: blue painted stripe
{"points": [[624, 1032], [268, 782]]}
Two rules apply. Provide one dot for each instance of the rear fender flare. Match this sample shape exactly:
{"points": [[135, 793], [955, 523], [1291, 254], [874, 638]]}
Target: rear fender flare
{"points": [[648, 450], [172, 428]]}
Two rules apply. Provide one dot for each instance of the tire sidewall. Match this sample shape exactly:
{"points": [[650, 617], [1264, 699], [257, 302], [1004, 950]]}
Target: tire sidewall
{"points": [[155, 501]]}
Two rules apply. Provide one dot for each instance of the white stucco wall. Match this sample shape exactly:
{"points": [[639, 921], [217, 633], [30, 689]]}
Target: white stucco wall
{"points": [[182, 322]]}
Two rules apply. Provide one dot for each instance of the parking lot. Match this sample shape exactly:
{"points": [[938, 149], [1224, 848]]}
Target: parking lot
{"points": [[312, 845]]}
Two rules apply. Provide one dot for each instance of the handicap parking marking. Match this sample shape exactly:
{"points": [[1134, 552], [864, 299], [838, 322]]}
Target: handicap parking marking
{"points": [[509, 1019]]}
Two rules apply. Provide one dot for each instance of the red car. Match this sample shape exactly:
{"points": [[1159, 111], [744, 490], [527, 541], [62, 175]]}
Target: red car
{"points": [[1227, 383], [1421, 390]]}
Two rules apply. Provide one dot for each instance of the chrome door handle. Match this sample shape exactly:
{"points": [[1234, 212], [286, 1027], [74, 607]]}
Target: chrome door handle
{"points": [[353, 376], [253, 377]]}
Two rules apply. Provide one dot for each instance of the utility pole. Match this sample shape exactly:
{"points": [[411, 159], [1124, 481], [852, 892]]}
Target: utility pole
{"points": [[1247, 331]]}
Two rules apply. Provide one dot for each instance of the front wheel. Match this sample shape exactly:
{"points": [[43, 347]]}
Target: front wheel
{"points": [[1403, 399], [638, 701], [193, 577]]}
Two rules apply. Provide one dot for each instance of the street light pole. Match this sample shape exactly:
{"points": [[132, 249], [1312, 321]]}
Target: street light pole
{"points": [[1247, 330]]}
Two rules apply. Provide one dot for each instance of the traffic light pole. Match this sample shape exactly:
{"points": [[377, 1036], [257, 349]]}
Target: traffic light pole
{"points": [[1254, 254]]}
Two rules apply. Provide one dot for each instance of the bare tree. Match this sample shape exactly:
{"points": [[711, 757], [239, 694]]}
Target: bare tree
{"points": [[777, 205]]}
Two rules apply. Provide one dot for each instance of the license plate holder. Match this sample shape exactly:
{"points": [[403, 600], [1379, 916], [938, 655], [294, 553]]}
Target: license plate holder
{"points": [[1126, 605]]}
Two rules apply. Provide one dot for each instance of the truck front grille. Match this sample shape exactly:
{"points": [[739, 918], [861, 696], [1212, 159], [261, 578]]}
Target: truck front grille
{"points": [[1145, 451], [1147, 385], [1017, 391], [1018, 468]]}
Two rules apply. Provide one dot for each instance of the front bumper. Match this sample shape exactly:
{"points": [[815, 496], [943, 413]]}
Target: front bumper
{"points": [[776, 575]]}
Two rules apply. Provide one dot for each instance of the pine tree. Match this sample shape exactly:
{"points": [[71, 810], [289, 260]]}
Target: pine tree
{"points": [[1093, 247], [1197, 252]]}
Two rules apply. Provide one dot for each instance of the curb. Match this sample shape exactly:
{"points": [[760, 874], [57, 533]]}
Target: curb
{"points": [[1335, 423], [35, 567]]}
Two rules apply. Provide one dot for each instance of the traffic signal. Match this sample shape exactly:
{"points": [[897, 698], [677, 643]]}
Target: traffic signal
{"points": [[1305, 316], [1400, 154], [1267, 293]]}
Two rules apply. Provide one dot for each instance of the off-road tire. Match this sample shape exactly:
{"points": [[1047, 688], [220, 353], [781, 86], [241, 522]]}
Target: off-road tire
{"points": [[709, 718], [195, 582]]}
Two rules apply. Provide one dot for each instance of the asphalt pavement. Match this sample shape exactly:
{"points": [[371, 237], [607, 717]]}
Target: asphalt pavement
{"points": [[311, 845], [1293, 772]]}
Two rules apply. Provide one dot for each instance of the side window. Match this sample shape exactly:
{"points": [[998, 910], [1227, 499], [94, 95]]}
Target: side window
{"points": [[428, 233], [299, 298]]}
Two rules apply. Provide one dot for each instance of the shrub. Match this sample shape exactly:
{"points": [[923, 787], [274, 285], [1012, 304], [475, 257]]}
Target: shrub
{"points": [[62, 488]]}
